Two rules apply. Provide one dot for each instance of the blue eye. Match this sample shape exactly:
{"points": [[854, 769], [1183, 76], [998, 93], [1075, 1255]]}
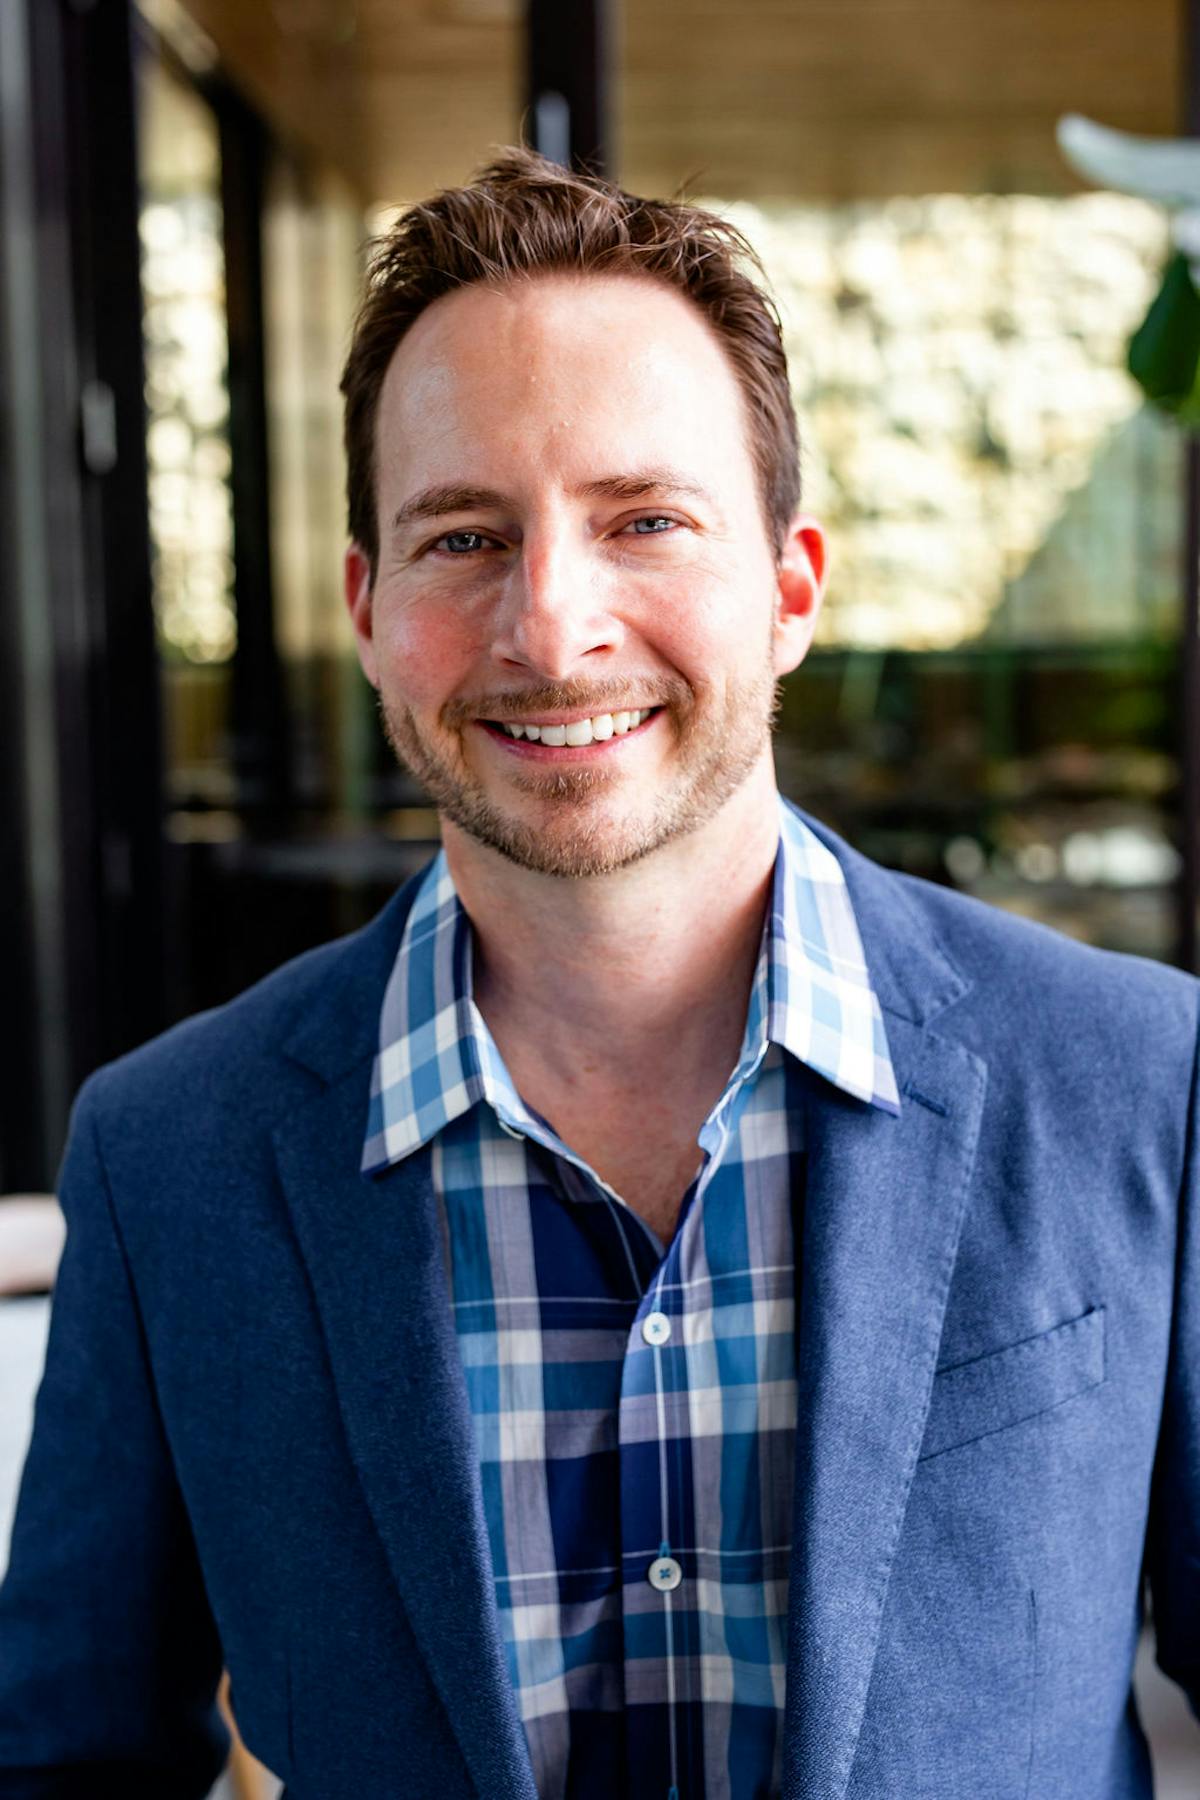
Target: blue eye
{"points": [[652, 524], [461, 543]]}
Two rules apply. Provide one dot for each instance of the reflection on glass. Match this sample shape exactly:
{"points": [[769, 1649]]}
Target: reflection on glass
{"points": [[186, 351], [312, 237]]}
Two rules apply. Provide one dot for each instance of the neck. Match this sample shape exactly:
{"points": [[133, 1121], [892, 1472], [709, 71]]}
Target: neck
{"points": [[657, 957]]}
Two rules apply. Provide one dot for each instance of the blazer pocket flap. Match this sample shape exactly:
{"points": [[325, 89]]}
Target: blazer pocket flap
{"points": [[973, 1399]]}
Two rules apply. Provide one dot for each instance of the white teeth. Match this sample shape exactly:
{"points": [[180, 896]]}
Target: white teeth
{"points": [[581, 731]]}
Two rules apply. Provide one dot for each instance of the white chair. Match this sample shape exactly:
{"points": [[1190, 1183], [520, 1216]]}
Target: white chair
{"points": [[32, 1232]]}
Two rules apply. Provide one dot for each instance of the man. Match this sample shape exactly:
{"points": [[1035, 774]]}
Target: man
{"points": [[670, 1309]]}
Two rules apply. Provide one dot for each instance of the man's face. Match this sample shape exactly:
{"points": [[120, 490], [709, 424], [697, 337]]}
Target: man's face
{"points": [[570, 530]]}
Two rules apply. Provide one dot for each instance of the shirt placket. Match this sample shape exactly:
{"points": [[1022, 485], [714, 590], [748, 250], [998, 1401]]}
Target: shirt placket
{"points": [[665, 1736], [658, 1571]]}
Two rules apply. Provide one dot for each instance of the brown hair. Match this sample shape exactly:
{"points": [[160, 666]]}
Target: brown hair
{"points": [[525, 216]]}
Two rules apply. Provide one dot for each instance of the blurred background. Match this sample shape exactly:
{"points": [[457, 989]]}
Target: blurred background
{"points": [[192, 782]]}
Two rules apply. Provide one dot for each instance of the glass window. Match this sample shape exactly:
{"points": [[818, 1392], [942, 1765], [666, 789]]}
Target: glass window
{"points": [[187, 429]]}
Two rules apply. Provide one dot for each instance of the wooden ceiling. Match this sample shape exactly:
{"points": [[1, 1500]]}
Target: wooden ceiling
{"points": [[758, 99]]}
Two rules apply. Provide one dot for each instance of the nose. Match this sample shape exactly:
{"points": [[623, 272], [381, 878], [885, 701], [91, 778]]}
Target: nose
{"points": [[554, 615]]}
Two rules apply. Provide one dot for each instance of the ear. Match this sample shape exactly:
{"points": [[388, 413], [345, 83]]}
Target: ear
{"points": [[800, 579], [356, 583]]}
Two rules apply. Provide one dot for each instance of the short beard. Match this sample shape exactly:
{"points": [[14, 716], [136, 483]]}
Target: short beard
{"points": [[715, 759]]}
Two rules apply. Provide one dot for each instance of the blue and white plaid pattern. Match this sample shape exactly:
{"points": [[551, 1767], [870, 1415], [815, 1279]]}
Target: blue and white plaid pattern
{"points": [[633, 1403]]}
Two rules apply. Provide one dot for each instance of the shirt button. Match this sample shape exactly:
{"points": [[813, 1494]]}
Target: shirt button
{"points": [[656, 1328], [665, 1574]]}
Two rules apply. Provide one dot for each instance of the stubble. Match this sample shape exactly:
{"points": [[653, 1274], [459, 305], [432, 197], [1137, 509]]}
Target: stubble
{"points": [[573, 833]]}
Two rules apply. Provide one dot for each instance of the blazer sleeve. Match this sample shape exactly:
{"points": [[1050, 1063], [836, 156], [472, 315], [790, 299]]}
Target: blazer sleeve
{"points": [[1173, 1543], [109, 1656]]}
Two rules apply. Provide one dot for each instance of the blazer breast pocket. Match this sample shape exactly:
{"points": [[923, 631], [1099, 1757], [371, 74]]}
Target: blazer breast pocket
{"points": [[973, 1399]]}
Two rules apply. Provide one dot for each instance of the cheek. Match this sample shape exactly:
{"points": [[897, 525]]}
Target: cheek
{"points": [[710, 628], [425, 652], [679, 602]]}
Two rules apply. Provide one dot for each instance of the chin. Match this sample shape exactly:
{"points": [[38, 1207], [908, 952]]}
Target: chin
{"points": [[579, 846], [571, 851]]}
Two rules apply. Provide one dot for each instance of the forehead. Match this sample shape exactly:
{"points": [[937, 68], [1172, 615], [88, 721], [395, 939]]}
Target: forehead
{"points": [[575, 366]]}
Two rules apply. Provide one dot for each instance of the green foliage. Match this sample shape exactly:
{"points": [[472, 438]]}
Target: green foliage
{"points": [[1164, 352]]}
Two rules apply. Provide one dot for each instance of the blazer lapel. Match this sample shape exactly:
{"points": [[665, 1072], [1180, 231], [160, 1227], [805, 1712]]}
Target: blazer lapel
{"points": [[884, 1204], [373, 1254]]}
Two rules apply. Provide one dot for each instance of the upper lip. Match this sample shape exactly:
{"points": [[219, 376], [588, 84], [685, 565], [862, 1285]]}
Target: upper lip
{"points": [[566, 718]]}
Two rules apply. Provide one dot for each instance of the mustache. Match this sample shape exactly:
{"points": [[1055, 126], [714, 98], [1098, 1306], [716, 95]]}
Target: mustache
{"points": [[589, 697]]}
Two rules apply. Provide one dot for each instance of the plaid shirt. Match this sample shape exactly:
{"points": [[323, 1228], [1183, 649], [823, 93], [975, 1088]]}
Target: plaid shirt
{"points": [[634, 1406]]}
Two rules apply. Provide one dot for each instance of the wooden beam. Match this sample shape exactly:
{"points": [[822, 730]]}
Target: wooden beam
{"points": [[567, 64]]}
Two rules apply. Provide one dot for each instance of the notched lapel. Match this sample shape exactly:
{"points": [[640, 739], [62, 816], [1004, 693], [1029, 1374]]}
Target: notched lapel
{"points": [[885, 1200], [373, 1254]]}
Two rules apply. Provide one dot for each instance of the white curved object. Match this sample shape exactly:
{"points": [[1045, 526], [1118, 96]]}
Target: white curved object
{"points": [[1162, 169]]}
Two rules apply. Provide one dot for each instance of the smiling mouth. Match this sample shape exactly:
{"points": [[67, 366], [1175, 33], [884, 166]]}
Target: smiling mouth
{"points": [[577, 734]]}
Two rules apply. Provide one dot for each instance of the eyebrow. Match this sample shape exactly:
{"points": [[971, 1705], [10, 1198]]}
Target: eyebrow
{"points": [[435, 502], [639, 482]]}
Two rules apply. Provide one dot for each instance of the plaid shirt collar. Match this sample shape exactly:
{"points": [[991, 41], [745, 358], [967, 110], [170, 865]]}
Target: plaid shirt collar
{"points": [[812, 995]]}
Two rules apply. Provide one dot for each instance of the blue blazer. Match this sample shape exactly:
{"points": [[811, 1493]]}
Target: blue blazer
{"points": [[252, 1443]]}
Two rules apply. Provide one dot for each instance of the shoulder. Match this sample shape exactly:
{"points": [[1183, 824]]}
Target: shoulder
{"points": [[1051, 987]]}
